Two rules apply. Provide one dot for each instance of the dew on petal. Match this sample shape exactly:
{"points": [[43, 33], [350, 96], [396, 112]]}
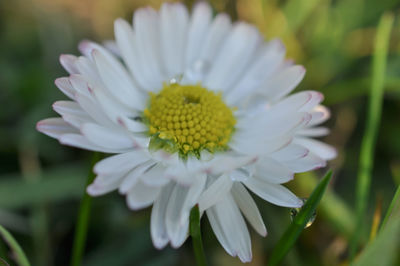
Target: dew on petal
{"points": [[177, 79]]}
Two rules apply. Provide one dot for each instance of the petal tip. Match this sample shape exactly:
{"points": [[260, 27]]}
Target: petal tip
{"points": [[39, 126]]}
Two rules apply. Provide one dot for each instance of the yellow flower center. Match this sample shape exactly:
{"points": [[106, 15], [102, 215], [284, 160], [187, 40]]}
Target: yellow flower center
{"points": [[188, 119]]}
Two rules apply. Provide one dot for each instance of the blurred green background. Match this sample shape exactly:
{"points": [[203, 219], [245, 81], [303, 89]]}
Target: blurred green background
{"points": [[41, 182]]}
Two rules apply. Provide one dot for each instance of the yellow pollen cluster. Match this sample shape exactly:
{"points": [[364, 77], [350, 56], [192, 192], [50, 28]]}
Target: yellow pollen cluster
{"points": [[189, 118]]}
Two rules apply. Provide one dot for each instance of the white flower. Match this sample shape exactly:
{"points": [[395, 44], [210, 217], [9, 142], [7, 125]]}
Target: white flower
{"points": [[196, 109]]}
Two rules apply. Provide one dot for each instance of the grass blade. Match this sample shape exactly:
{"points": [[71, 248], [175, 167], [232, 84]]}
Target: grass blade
{"points": [[296, 227], [19, 254], [371, 130], [332, 208], [384, 249], [394, 207]]}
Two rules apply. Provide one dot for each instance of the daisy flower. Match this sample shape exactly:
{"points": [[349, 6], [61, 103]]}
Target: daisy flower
{"points": [[196, 110]]}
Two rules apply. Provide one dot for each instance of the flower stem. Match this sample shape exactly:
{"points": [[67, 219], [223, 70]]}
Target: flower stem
{"points": [[195, 233], [83, 218]]}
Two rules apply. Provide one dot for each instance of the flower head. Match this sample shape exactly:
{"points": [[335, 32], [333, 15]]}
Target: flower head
{"points": [[196, 111]]}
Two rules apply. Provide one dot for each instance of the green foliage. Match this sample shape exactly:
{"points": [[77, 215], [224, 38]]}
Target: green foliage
{"points": [[383, 251], [83, 218], [55, 185], [17, 251], [333, 39], [371, 131], [299, 222]]}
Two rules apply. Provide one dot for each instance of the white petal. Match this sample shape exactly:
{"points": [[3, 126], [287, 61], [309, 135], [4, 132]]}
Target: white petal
{"points": [[298, 102], [155, 176], [240, 175], [142, 196], [93, 109], [104, 184], [319, 115], [68, 107], [251, 147], [106, 137], [65, 86], [316, 98], [117, 80], [291, 152], [117, 113], [266, 61], [233, 57], [157, 224], [79, 141], [274, 193], [89, 72], [181, 173], [134, 176], [192, 196], [307, 163], [317, 147], [177, 232], [72, 113], [102, 98], [217, 33], [147, 44], [87, 47], [272, 171], [55, 127], [313, 132], [218, 228], [249, 208], [283, 83], [79, 84], [226, 163], [126, 42], [267, 128], [173, 29], [120, 163], [68, 62], [230, 228], [198, 28], [134, 126], [215, 192], [112, 46]]}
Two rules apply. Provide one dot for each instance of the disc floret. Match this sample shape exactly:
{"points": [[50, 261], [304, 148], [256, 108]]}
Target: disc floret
{"points": [[188, 119]]}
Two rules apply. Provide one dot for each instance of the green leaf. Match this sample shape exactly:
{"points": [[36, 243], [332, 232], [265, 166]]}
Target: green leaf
{"points": [[394, 208], [296, 227], [19, 254], [58, 184], [384, 249], [371, 130], [332, 208]]}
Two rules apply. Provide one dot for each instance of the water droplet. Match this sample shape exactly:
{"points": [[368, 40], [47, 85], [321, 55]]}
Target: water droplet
{"points": [[177, 79], [295, 211]]}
